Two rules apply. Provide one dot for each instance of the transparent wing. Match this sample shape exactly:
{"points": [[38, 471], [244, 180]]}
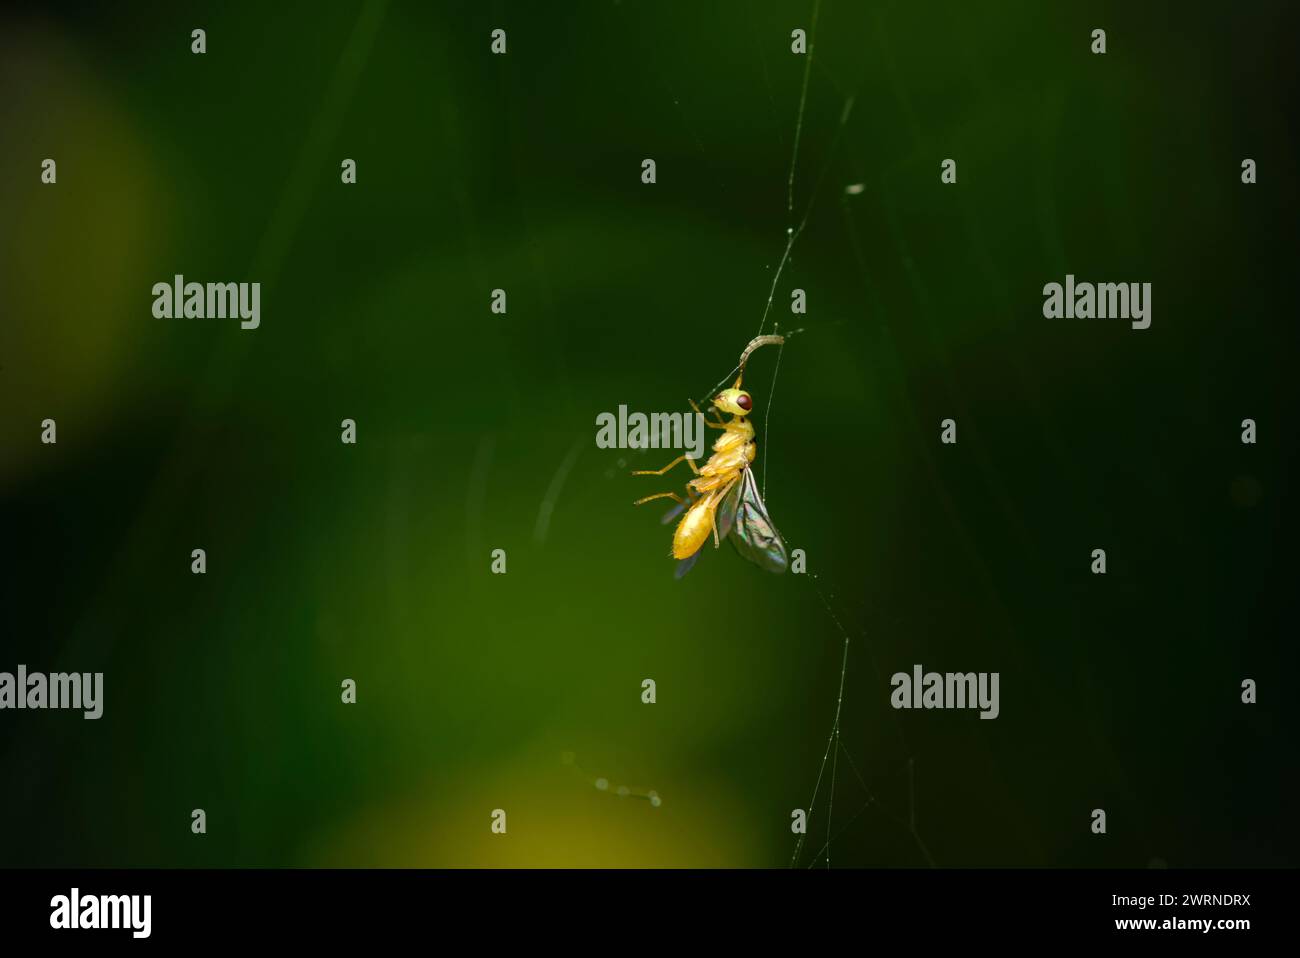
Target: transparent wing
{"points": [[754, 535], [725, 517], [674, 512], [684, 566]]}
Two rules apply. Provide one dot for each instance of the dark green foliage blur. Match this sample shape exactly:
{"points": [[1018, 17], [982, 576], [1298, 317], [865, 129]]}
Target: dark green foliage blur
{"points": [[522, 172]]}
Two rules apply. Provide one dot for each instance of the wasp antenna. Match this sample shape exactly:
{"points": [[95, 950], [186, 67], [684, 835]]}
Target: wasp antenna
{"points": [[754, 344]]}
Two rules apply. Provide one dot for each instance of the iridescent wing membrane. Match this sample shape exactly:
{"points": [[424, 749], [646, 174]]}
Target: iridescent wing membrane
{"points": [[743, 518], [753, 534]]}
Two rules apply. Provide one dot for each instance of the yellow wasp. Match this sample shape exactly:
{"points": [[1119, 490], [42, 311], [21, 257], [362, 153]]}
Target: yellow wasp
{"points": [[723, 497]]}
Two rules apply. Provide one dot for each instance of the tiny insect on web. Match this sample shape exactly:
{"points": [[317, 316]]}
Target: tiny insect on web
{"points": [[742, 505], [723, 499]]}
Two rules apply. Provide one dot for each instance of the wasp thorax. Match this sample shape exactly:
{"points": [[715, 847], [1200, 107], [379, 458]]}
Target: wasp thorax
{"points": [[735, 401]]}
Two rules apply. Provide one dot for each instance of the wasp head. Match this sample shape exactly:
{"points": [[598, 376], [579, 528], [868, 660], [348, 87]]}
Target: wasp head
{"points": [[737, 402]]}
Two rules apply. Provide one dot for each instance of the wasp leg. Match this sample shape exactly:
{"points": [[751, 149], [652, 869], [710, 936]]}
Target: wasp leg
{"points": [[659, 472], [660, 495], [707, 421]]}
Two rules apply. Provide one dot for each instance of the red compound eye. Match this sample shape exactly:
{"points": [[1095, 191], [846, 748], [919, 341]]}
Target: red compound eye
{"points": [[744, 402]]}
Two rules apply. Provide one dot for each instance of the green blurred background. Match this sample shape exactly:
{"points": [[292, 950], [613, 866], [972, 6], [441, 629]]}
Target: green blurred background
{"points": [[522, 171]]}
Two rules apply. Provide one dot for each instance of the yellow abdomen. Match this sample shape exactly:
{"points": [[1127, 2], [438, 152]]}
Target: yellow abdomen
{"points": [[694, 528], [733, 452]]}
